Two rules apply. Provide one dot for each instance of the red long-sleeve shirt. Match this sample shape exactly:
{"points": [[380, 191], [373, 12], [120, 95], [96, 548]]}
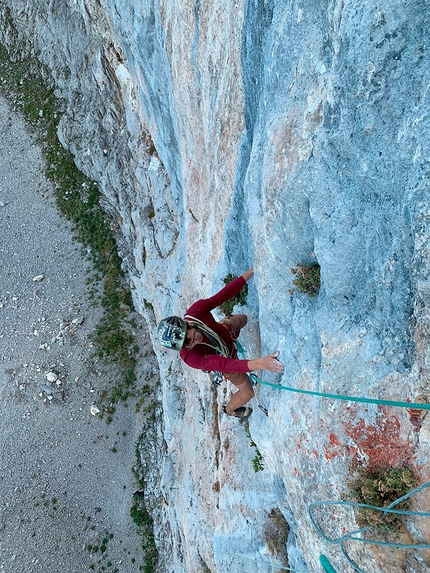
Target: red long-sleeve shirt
{"points": [[201, 356]]}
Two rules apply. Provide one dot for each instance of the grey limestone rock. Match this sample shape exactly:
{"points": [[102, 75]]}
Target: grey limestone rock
{"points": [[231, 134]]}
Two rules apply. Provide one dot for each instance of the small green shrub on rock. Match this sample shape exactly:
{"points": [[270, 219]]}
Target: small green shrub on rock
{"points": [[240, 298], [257, 462], [307, 279], [380, 487]]}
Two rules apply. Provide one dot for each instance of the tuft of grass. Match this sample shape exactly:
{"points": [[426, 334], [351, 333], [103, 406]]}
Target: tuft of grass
{"points": [[239, 299], [257, 462], [307, 279], [380, 487]]}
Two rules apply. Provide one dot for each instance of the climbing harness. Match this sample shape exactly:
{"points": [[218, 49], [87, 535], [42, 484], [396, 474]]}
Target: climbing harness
{"points": [[240, 349], [217, 344], [351, 536]]}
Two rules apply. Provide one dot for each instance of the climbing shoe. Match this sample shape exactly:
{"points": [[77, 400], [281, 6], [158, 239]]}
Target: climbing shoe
{"points": [[243, 412]]}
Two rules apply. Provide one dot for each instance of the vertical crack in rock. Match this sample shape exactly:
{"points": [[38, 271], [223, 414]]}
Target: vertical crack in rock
{"points": [[257, 24], [194, 51], [256, 27]]}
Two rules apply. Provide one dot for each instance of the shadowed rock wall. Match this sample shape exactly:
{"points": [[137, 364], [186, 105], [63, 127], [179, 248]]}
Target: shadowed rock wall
{"points": [[262, 133]]}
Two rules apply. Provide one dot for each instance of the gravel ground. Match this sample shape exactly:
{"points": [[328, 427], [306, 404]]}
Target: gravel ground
{"points": [[65, 475]]}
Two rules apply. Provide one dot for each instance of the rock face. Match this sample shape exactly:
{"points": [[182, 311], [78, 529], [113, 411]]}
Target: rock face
{"points": [[227, 135]]}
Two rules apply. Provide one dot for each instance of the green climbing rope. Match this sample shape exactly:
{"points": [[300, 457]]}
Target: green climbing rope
{"points": [[326, 564], [413, 405]]}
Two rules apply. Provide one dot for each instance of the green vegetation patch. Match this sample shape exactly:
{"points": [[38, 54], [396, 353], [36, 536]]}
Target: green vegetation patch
{"points": [[99, 553], [139, 513], [380, 488], [307, 279], [257, 462], [239, 299]]}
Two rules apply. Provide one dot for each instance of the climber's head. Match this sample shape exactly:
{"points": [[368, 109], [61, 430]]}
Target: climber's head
{"points": [[172, 332]]}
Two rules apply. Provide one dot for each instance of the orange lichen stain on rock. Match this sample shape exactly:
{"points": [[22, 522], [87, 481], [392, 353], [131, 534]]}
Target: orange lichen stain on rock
{"points": [[315, 451], [382, 443], [334, 448]]}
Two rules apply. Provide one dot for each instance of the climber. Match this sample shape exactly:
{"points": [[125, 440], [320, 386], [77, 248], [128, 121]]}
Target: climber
{"points": [[208, 345]]}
